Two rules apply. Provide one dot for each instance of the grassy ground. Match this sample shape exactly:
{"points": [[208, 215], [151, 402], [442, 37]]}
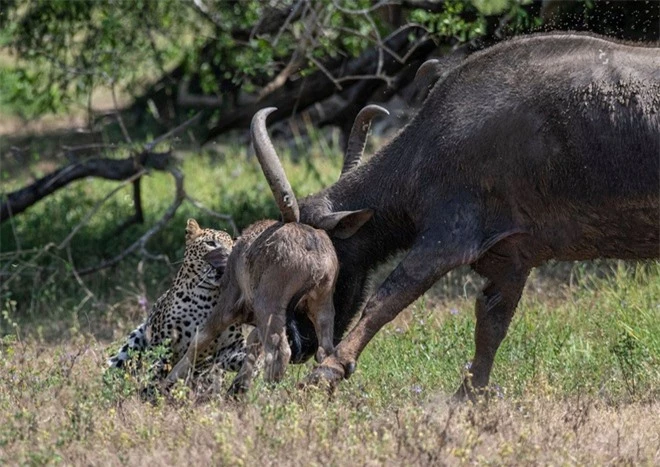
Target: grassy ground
{"points": [[578, 375]]}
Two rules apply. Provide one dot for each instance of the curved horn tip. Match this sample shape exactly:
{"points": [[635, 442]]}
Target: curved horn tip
{"points": [[358, 136], [426, 67], [374, 110], [262, 114]]}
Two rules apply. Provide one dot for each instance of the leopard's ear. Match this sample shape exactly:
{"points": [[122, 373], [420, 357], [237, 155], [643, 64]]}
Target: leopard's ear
{"points": [[192, 229]]}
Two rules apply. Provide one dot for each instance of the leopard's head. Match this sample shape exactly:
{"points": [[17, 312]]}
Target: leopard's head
{"points": [[199, 242]]}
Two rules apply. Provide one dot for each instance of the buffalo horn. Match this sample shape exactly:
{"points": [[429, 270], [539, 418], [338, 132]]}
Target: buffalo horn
{"points": [[426, 68], [358, 137], [272, 167]]}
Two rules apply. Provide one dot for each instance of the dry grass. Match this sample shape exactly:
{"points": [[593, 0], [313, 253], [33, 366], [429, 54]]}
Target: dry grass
{"points": [[577, 390], [55, 407]]}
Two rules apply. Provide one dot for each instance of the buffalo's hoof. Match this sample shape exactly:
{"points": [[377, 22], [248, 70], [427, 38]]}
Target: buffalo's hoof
{"points": [[467, 393], [463, 394]]}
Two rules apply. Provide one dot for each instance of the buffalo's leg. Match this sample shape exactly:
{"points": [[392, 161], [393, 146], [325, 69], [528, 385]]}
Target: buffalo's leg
{"points": [[494, 310], [424, 264], [245, 375]]}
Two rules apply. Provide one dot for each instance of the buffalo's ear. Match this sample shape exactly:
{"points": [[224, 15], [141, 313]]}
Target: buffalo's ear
{"points": [[192, 228], [344, 224], [217, 258]]}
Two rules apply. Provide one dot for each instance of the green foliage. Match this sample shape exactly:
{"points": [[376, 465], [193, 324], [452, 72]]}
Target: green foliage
{"points": [[631, 355], [140, 375], [24, 93], [521, 20], [66, 50], [449, 23], [8, 314]]}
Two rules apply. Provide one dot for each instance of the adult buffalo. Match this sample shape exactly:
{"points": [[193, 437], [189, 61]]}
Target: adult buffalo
{"points": [[542, 147]]}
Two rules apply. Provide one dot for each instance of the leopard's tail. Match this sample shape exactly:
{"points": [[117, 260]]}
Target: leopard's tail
{"points": [[136, 342]]}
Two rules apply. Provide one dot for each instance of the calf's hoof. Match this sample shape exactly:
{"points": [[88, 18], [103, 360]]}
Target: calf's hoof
{"points": [[322, 354]]}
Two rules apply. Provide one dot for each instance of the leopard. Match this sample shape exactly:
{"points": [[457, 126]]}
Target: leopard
{"points": [[179, 312]]}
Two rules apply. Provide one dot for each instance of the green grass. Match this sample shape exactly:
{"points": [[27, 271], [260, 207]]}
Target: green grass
{"points": [[601, 338], [578, 373]]}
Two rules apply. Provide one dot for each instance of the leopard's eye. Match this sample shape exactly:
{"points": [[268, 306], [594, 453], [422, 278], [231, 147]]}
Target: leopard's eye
{"points": [[211, 243]]}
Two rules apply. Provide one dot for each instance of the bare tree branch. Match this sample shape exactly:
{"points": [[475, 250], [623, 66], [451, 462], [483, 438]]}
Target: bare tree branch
{"points": [[270, 22], [295, 13], [138, 214], [64, 243], [111, 169], [23, 265], [88, 293], [140, 243], [118, 116], [312, 27], [325, 71], [362, 11], [174, 132], [203, 10], [294, 64]]}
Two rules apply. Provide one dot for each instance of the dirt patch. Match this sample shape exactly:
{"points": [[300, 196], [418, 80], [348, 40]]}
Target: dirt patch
{"points": [[16, 126]]}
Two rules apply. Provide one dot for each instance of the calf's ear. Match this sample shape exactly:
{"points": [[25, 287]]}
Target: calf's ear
{"points": [[217, 258], [344, 224]]}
